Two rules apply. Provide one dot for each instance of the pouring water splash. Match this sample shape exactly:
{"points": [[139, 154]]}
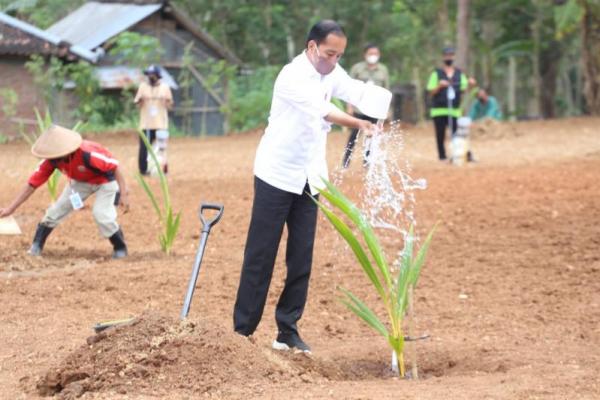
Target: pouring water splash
{"points": [[388, 198]]}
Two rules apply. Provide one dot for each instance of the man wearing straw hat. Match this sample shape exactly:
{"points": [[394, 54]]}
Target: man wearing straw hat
{"points": [[90, 169]]}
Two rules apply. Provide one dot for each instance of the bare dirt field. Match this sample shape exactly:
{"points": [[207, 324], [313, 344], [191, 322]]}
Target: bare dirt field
{"points": [[510, 295]]}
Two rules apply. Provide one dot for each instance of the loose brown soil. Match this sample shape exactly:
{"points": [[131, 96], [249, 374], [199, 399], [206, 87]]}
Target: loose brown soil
{"points": [[510, 295]]}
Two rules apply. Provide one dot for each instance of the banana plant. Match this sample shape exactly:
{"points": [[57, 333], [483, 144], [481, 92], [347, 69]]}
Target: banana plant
{"points": [[168, 219], [391, 286]]}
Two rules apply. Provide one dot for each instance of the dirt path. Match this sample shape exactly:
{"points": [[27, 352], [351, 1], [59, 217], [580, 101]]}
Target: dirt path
{"points": [[510, 295]]}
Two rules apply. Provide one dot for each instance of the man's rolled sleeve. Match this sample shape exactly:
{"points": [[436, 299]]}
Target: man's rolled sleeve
{"points": [[326, 108], [346, 88], [433, 81], [41, 174]]}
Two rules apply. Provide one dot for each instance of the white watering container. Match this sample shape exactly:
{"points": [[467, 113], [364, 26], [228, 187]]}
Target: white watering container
{"points": [[375, 102], [460, 141]]}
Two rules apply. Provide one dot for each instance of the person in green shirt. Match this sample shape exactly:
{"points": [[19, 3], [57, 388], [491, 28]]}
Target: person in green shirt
{"points": [[370, 71], [446, 86], [485, 106]]}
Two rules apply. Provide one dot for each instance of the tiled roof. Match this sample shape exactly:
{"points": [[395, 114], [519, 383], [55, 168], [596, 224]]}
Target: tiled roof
{"points": [[20, 38]]}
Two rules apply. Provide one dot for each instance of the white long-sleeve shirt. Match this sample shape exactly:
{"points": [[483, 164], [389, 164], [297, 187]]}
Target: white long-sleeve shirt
{"points": [[292, 149]]}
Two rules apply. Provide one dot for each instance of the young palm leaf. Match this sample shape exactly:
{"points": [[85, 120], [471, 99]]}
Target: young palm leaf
{"points": [[393, 290], [169, 222]]}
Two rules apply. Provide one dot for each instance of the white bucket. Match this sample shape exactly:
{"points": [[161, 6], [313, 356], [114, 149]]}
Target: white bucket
{"points": [[375, 102], [460, 141], [459, 149], [464, 123]]}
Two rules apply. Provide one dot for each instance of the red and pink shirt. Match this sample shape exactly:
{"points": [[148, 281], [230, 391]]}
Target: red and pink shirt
{"points": [[90, 163]]}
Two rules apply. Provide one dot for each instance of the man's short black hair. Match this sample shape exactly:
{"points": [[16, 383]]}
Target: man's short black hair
{"points": [[321, 29], [370, 46]]}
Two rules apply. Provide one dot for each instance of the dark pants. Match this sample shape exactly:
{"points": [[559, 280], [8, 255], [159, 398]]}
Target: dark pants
{"points": [[352, 140], [440, 124], [272, 209], [143, 152]]}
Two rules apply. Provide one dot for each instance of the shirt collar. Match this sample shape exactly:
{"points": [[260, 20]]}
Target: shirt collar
{"points": [[307, 65], [302, 58]]}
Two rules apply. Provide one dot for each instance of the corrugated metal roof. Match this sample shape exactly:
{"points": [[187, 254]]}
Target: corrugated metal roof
{"points": [[94, 23], [119, 77], [44, 37]]}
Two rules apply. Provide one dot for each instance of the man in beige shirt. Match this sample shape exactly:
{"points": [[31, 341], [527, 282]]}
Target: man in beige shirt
{"points": [[370, 71], [154, 99]]}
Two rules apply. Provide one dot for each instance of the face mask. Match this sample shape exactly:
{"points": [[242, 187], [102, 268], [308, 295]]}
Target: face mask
{"points": [[322, 66], [372, 59], [448, 62]]}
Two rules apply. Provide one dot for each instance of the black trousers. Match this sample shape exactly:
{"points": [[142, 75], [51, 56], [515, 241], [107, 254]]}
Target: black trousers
{"points": [[352, 140], [440, 124], [143, 152], [272, 209]]}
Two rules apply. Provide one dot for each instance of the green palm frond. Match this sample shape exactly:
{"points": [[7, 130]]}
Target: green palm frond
{"points": [[169, 223], [393, 290]]}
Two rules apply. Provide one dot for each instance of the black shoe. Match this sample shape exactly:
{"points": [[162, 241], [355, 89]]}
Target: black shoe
{"points": [[119, 246], [39, 239], [290, 341]]}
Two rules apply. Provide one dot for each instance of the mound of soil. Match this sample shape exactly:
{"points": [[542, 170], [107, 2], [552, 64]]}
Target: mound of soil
{"points": [[156, 353], [489, 129]]}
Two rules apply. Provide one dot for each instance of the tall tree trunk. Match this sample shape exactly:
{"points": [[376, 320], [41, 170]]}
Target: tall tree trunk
{"points": [[512, 88], [488, 34], [462, 34], [550, 56], [579, 87], [549, 63], [536, 81], [567, 88], [419, 99], [290, 45], [591, 54], [444, 22]]}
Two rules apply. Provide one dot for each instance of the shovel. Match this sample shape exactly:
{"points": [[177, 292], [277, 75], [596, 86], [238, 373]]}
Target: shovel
{"points": [[206, 226]]}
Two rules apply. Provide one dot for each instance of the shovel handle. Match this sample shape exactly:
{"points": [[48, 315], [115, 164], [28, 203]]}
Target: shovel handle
{"points": [[209, 223]]}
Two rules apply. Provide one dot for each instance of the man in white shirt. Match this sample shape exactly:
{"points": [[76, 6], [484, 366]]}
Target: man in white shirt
{"points": [[290, 162]]}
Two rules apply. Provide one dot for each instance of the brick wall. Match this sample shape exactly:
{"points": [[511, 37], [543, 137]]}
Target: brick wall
{"points": [[14, 75]]}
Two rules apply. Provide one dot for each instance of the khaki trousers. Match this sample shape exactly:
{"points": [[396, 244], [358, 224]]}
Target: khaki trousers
{"points": [[104, 210]]}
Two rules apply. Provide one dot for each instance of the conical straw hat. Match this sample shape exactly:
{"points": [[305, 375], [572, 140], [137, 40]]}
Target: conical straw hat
{"points": [[56, 142]]}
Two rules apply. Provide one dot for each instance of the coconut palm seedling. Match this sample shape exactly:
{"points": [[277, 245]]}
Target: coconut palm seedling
{"points": [[392, 286], [168, 220]]}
